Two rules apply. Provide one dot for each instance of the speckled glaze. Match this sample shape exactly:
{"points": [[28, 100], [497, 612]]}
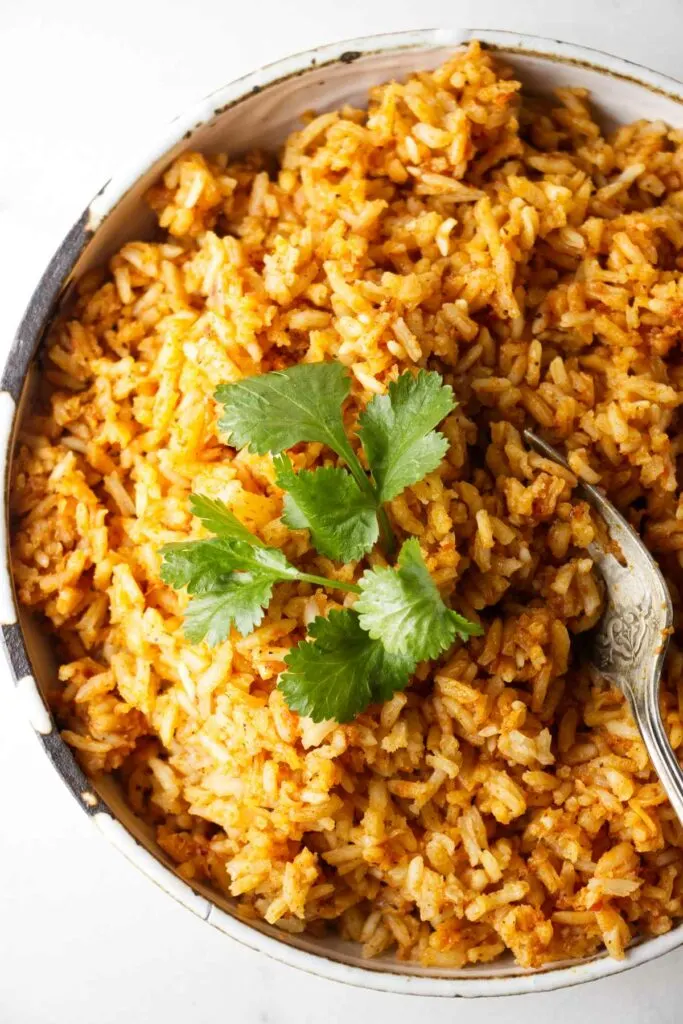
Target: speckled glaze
{"points": [[261, 109]]}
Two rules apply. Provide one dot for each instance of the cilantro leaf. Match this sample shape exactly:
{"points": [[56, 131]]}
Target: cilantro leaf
{"points": [[240, 600], [328, 502], [397, 432], [230, 581], [342, 672], [193, 564], [201, 565], [402, 607], [217, 517], [274, 411]]}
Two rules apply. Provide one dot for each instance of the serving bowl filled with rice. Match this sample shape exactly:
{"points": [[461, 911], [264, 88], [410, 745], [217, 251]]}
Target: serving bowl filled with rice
{"points": [[426, 243]]}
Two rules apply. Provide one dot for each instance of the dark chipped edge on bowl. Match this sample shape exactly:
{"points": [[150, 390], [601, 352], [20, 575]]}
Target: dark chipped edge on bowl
{"points": [[42, 307]]}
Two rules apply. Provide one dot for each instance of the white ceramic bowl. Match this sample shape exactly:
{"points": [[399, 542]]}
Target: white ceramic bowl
{"points": [[260, 110]]}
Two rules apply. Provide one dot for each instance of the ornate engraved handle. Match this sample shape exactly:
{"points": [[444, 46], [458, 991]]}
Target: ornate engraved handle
{"points": [[645, 707]]}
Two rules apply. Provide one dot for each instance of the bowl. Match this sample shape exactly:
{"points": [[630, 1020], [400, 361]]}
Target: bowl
{"points": [[261, 109]]}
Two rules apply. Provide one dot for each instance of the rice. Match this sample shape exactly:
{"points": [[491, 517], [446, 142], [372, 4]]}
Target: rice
{"points": [[505, 800]]}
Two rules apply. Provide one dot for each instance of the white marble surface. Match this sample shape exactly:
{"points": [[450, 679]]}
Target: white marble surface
{"points": [[83, 936]]}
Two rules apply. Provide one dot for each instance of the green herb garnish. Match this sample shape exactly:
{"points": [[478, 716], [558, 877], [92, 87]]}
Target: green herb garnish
{"points": [[397, 431], [358, 656], [230, 577], [403, 608], [277, 410], [342, 671], [328, 502]]}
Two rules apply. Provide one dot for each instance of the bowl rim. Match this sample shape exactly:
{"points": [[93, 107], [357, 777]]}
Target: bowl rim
{"points": [[40, 309]]}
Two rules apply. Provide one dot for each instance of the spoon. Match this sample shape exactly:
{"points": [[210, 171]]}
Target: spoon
{"points": [[629, 642]]}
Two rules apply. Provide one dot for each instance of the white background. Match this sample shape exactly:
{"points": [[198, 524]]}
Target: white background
{"points": [[84, 937]]}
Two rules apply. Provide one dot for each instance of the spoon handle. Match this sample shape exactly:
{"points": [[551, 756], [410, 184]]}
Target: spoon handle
{"points": [[645, 708]]}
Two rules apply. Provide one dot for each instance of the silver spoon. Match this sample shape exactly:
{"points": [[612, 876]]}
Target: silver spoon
{"points": [[629, 643]]}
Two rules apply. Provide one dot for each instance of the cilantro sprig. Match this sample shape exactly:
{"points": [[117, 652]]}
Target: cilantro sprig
{"points": [[361, 655], [350, 659], [230, 576], [397, 431], [403, 608], [275, 411]]}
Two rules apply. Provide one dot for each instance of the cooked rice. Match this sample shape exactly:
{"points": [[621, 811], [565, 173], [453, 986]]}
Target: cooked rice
{"points": [[504, 800]]}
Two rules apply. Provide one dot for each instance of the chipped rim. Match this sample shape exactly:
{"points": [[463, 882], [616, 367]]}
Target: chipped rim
{"points": [[381, 976]]}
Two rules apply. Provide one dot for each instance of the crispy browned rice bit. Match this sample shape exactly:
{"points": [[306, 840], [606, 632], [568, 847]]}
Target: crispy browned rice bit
{"points": [[505, 800]]}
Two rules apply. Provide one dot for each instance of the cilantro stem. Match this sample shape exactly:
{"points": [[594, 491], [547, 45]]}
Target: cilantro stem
{"points": [[386, 534], [387, 539], [323, 581], [357, 472]]}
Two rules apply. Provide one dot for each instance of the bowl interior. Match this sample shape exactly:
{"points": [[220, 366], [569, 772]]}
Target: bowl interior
{"points": [[263, 118]]}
